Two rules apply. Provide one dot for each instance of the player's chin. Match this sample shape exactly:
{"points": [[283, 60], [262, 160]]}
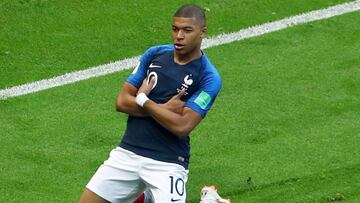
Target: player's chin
{"points": [[181, 50]]}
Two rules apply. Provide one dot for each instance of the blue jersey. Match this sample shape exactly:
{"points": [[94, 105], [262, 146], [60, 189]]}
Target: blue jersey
{"points": [[143, 135]]}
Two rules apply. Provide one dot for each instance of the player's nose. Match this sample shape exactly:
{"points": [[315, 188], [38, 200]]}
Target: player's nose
{"points": [[180, 35]]}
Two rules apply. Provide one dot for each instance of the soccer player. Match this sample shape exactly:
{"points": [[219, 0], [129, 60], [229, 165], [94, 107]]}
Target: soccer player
{"points": [[166, 97]]}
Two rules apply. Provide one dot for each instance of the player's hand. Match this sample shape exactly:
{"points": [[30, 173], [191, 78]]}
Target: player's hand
{"points": [[146, 86], [175, 104]]}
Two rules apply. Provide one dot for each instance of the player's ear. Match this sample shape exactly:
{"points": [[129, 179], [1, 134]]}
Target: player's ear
{"points": [[203, 32]]}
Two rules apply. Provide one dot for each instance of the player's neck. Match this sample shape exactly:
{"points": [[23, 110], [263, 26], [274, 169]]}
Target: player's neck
{"points": [[183, 59]]}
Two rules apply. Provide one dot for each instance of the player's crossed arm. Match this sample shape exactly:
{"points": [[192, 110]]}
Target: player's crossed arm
{"points": [[180, 121], [125, 102]]}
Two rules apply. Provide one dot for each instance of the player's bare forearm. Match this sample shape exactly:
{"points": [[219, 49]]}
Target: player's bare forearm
{"points": [[125, 101], [172, 115], [179, 124]]}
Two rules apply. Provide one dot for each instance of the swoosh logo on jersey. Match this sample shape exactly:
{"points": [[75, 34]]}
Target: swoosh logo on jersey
{"points": [[175, 200], [154, 66]]}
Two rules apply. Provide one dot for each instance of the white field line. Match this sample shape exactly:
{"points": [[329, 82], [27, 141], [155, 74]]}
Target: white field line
{"points": [[128, 63]]}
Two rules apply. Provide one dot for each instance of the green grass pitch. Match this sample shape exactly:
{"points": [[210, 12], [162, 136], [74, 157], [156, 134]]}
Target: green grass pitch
{"points": [[288, 115]]}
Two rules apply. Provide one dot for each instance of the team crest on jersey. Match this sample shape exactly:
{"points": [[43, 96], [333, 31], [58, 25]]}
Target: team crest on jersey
{"points": [[187, 82]]}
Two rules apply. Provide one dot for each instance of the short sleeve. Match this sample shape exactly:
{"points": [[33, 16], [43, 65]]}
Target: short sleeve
{"points": [[210, 85]]}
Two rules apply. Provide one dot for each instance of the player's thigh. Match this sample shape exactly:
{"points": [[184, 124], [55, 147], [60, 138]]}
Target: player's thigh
{"points": [[166, 182], [117, 180]]}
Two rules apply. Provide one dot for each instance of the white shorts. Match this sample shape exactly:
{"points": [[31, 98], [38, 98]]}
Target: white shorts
{"points": [[125, 175]]}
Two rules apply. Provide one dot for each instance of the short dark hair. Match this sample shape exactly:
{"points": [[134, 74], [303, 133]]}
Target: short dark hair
{"points": [[192, 11]]}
